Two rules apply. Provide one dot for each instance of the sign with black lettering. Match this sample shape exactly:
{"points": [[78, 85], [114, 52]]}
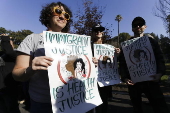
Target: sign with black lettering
{"points": [[72, 80], [107, 70], [139, 58]]}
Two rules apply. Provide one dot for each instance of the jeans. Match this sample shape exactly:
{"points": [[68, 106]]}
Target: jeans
{"points": [[154, 94], [9, 103]]}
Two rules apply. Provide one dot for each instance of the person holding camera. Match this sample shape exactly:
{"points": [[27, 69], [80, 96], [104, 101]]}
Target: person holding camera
{"points": [[8, 86]]}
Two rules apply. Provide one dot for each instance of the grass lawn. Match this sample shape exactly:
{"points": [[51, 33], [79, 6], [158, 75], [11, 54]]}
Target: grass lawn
{"points": [[167, 74], [164, 77]]}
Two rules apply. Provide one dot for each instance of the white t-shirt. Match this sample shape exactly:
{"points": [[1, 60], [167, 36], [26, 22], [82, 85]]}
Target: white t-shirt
{"points": [[39, 91]]}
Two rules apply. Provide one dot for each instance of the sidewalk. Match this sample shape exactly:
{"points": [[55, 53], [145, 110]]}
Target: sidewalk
{"points": [[121, 101]]}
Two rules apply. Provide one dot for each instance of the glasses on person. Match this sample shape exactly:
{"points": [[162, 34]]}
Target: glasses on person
{"points": [[57, 12], [135, 25], [96, 31]]}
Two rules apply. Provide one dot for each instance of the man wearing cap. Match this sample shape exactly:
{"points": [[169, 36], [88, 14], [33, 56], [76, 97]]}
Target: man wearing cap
{"points": [[150, 88]]}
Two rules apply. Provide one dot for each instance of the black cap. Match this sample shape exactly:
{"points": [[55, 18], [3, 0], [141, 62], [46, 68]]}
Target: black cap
{"points": [[139, 19], [98, 27]]}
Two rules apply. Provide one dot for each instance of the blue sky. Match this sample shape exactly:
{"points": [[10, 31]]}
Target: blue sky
{"points": [[24, 14]]}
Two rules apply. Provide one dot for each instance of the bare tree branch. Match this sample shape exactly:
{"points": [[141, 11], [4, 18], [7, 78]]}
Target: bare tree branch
{"points": [[162, 10], [90, 15]]}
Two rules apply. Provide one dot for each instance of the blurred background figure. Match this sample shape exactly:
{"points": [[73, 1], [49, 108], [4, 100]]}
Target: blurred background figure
{"points": [[8, 87]]}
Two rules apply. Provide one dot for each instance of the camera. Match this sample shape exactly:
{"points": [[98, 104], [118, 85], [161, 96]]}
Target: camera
{"points": [[4, 38]]}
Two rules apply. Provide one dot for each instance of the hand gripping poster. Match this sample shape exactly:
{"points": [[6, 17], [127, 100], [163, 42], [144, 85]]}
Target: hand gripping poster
{"points": [[107, 70], [139, 58], [72, 80]]}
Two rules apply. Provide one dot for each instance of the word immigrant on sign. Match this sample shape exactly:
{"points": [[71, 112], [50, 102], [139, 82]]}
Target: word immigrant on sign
{"points": [[76, 44], [72, 80]]}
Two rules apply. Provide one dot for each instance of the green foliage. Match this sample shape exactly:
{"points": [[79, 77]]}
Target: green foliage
{"points": [[162, 10], [164, 43], [122, 37], [87, 18], [165, 46], [118, 18], [18, 36], [168, 65], [154, 36], [3, 30], [164, 77]]}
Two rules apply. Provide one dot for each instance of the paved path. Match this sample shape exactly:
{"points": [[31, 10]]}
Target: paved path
{"points": [[121, 102]]}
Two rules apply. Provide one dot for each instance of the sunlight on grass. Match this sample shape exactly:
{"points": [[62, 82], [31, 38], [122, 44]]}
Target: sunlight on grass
{"points": [[167, 64], [164, 77]]}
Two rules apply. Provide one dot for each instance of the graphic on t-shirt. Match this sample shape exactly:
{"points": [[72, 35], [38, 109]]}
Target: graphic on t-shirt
{"points": [[73, 67]]}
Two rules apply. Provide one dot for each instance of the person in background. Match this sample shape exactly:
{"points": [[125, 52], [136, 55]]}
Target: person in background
{"points": [[105, 92], [32, 64], [8, 86], [150, 88]]}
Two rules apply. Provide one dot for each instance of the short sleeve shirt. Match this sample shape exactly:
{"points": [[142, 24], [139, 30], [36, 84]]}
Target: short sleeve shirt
{"points": [[39, 91]]}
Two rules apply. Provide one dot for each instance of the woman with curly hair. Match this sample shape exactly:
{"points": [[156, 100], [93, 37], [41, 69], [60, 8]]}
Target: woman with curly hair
{"points": [[31, 63]]}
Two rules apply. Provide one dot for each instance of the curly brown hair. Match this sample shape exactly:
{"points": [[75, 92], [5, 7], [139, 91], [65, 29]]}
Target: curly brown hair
{"points": [[46, 14]]}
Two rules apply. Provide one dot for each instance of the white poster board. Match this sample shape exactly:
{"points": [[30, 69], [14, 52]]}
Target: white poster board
{"points": [[107, 70], [72, 80], [139, 58]]}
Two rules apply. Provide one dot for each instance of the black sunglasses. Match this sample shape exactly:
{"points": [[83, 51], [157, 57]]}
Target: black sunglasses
{"points": [[135, 25], [97, 31]]}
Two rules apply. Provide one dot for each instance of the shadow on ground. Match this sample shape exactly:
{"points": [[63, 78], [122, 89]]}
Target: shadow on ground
{"points": [[121, 102]]}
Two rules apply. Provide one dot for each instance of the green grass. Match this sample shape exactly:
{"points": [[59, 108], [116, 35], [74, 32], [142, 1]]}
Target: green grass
{"points": [[167, 68], [165, 77], [167, 65]]}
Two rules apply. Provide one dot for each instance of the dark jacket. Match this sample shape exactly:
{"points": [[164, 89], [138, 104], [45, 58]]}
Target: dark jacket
{"points": [[8, 55], [160, 63]]}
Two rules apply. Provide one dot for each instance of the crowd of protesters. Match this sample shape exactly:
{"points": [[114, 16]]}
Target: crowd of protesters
{"points": [[23, 72]]}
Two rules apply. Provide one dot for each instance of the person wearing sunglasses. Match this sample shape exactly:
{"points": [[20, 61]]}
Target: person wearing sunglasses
{"points": [[105, 92], [31, 63], [151, 89]]}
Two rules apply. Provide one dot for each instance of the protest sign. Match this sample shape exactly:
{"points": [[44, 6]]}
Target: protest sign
{"points": [[139, 58], [72, 80], [107, 70]]}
